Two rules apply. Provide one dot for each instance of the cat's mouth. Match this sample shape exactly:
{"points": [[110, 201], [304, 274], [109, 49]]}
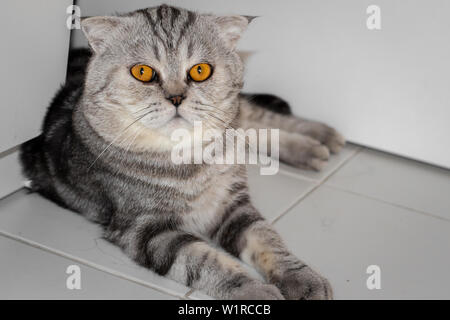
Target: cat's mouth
{"points": [[178, 120], [181, 116]]}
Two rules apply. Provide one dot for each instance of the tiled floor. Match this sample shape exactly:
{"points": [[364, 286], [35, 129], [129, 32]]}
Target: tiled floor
{"points": [[366, 208]]}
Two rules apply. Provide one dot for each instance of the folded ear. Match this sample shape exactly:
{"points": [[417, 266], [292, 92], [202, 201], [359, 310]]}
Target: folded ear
{"points": [[232, 27], [98, 29]]}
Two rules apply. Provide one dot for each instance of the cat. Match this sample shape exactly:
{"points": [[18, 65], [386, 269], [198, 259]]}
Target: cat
{"points": [[104, 152]]}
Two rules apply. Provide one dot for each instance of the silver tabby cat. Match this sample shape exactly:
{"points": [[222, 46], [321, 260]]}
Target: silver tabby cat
{"points": [[105, 153]]}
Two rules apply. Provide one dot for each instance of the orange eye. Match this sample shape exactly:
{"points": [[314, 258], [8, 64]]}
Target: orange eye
{"points": [[200, 72], [143, 73]]}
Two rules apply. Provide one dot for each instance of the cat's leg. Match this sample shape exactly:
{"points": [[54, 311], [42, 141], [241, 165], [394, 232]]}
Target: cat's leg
{"points": [[264, 249], [253, 116], [245, 234], [187, 259]]}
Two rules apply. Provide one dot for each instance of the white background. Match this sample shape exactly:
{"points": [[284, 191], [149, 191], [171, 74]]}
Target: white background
{"points": [[33, 61]]}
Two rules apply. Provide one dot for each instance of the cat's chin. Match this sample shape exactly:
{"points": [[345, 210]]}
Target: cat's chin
{"points": [[175, 123]]}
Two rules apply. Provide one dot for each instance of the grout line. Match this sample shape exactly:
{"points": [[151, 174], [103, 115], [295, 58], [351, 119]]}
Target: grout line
{"points": [[432, 215], [295, 202], [12, 193], [298, 200], [297, 175], [191, 291], [343, 163], [88, 263], [9, 151], [316, 186]]}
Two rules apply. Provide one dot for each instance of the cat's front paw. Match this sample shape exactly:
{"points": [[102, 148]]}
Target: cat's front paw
{"points": [[305, 284], [328, 136], [334, 140], [256, 290], [306, 153]]}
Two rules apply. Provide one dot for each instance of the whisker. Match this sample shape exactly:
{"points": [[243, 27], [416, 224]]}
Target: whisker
{"points": [[222, 121], [227, 127], [130, 143], [115, 139], [210, 106], [147, 107]]}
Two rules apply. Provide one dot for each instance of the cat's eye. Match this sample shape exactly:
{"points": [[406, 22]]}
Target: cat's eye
{"points": [[200, 72], [143, 73]]}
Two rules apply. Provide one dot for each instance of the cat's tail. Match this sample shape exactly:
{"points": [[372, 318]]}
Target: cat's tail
{"points": [[32, 162], [36, 171], [269, 102]]}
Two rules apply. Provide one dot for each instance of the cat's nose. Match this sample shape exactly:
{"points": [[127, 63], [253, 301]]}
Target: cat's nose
{"points": [[176, 100]]}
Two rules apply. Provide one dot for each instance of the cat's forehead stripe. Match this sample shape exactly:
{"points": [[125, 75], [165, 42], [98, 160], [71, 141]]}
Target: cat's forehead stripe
{"points": [[169, 24]]}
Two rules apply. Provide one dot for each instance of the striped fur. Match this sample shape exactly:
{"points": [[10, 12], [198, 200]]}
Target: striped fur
{"points": [[100, 156]]}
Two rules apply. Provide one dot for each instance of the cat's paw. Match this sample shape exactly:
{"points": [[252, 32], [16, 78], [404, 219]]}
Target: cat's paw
{"points": [[306, 153], [305, 284], [256, 290], [334, 141], [318, 157], [326, 135]]}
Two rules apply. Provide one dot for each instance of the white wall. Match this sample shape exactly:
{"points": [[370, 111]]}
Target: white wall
{"points": [[33, 62], [387, 89]]}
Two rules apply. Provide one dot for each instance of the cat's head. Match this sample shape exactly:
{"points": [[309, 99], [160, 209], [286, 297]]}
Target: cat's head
{"points": [[163, 68]]}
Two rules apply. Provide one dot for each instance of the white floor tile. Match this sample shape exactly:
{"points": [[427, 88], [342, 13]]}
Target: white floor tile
{"points": [[31, 273], [397, 180], [273, 195], [341, 234], [334, 162], [34, 218]]}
